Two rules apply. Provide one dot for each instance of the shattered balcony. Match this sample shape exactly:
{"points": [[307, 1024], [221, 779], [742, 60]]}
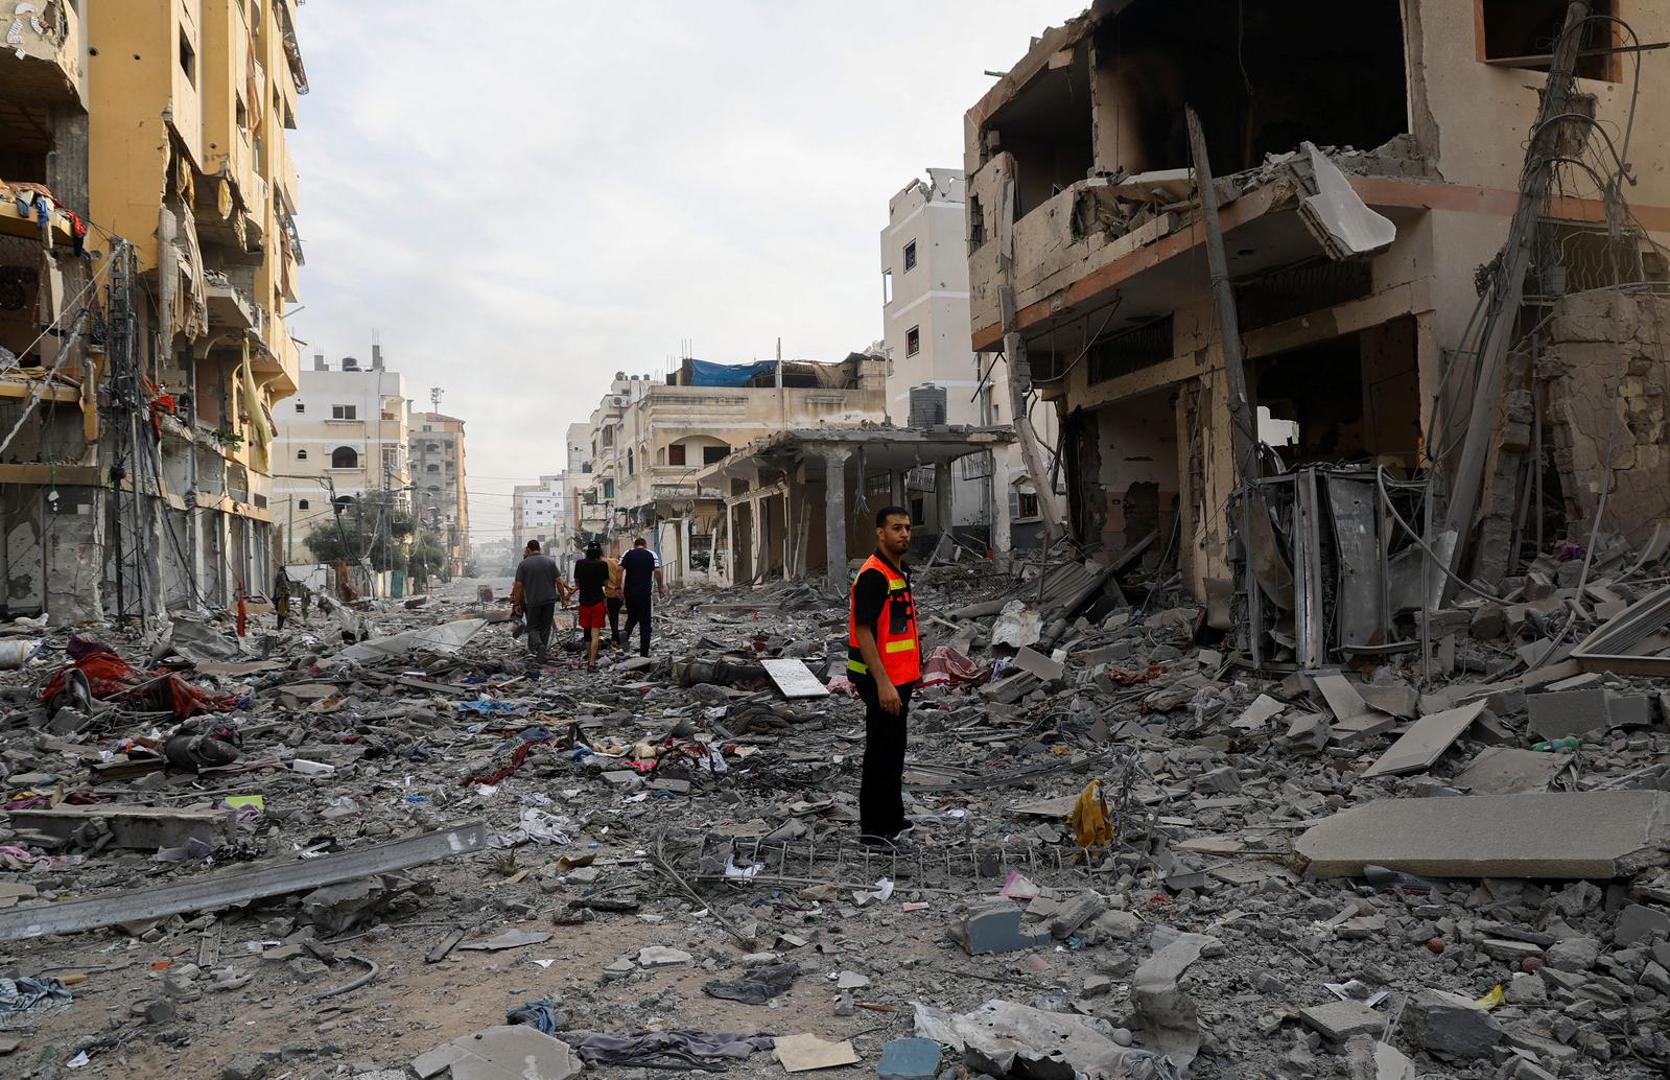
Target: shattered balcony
{"points": [[42, 63], [1138, 237]]}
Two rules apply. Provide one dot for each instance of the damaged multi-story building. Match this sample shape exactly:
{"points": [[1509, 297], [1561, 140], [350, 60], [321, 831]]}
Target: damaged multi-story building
{"points": [[440, 493], [652, 440], [935, 379], [149, 251], [1439, 260]]}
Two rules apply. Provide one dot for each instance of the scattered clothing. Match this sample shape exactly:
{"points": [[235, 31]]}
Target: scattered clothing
{"points": [[758, 987], [21, 995]]}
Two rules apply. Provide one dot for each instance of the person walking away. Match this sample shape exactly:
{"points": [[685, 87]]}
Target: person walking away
{"points": [[535, 593], [641, 572], [884, 662], [281, 596], [591, 577], [613, 596]]}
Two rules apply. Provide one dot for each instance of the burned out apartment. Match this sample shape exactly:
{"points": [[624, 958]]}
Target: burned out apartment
{"points": [[1442, 268]]}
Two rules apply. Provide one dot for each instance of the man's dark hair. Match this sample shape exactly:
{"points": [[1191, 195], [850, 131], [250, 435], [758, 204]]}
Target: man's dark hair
{"points": [[533, 545], [594, 551], [640, 542], [889, 511]]}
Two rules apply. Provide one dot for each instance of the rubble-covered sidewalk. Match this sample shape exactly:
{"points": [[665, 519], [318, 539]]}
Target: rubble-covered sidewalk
{"points": [[382, 843]]}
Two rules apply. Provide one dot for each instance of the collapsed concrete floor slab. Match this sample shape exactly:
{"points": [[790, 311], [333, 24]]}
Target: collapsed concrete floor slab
{"points": [[1597, 834]]}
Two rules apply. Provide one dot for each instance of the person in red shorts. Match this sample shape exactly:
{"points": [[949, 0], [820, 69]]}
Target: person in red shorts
{"points": [[591, 576]]}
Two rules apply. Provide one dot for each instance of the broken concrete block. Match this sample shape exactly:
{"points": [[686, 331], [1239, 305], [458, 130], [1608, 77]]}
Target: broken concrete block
{"points": [[501, 1052], [1562, 835], [337, 908], [1574, 712], [1490, 621], [140, 828], [1338, 1021], [1370, 1060], [1426, 741], [1035, 663], [995, 928], [908, 1059], [245, 1067], [1630, 710], [1442, 622], [1307, 733], [1011, 688], [1450, 1025], [1082, 908], [654, 956], [1639, 923], [1574, 954]]}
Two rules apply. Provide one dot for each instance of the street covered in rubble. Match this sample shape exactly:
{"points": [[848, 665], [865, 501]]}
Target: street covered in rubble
{"points": [[1250, 531], [305, 855]]}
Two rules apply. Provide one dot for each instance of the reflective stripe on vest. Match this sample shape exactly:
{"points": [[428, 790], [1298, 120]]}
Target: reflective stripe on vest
{"points": [[895, 631]]}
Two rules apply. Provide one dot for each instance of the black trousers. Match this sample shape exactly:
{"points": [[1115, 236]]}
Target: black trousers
{"points": [[881, 804], [539, 627], [615, 604], [637, 614]]}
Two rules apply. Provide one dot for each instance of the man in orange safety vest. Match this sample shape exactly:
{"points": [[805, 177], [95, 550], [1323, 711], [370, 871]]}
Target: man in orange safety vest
{"points": [[884, 662]]}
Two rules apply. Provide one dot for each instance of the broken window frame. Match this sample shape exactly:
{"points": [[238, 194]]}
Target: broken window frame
{"points": [[913, 340], [910, 256]]}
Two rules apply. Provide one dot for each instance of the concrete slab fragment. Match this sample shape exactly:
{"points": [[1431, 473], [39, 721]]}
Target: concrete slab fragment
{"points": [[1503, 770], [501, 1052], [1394, 699], [1338, 1021], [1342, 697], [1426, 742], [1259, 713], [1596, 834]]}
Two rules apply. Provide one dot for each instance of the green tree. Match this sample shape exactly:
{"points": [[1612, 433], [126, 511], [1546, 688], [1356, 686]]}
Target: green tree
{"points": [[364, 528], [427, 556]]}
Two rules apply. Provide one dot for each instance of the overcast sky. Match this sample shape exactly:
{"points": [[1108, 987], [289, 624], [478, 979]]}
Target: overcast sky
{"points": [[525, 197]]}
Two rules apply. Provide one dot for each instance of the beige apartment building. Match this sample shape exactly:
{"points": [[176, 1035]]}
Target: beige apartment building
{"points": [[341, 437], [440, 496], [934, 376], [1369, 158]]}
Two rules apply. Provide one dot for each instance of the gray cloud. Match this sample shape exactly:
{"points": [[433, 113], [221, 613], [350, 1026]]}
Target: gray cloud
{"points": [[527, 197]]}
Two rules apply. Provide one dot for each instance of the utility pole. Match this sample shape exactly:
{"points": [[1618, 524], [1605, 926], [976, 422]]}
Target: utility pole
{"points": [[1243, 431]]}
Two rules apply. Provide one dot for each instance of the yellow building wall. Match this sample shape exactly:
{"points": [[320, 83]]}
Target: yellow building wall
{"points": [[131, 55]]}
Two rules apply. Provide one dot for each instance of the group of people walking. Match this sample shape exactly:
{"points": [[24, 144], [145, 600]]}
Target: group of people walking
{"points": [[884, 646], [603, 587]]}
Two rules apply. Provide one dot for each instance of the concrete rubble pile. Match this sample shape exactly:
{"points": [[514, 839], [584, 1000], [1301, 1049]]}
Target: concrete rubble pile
{"points": [[384, 843]]}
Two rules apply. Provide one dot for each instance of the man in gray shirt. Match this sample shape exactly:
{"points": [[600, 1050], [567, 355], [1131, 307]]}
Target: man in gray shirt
{"points": [[539, 585]]}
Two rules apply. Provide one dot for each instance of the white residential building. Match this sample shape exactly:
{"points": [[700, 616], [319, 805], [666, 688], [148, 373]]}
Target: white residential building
{"points": [[933, 375], [342, 434]]}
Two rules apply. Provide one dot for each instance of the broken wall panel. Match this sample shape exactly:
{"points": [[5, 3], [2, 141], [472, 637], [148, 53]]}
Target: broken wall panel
{"points": [[1608, 371]]}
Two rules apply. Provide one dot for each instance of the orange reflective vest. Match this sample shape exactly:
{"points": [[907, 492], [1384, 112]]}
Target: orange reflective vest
{"points": [[896, 638]]}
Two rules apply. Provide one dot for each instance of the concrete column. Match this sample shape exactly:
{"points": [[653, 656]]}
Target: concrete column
{"points": [[835, 515], [729, 576], [762, 560], [942, 497], [1003, 537], [895, 487], [686, 528]]}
